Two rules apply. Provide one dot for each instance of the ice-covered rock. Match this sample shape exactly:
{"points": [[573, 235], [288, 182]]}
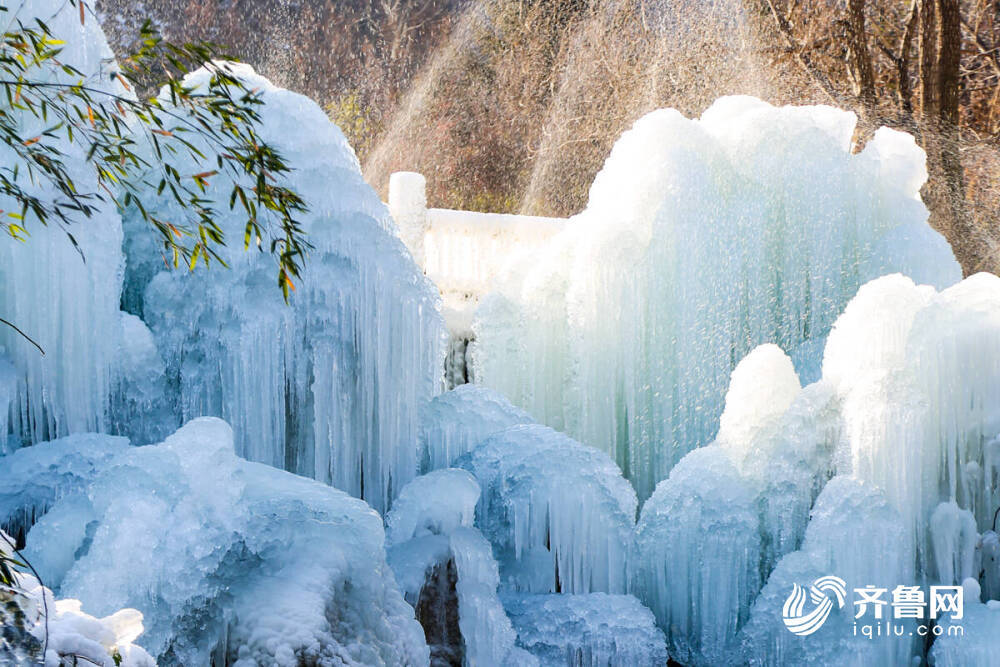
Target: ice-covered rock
{"points": [[447, 571], [701, 239], [857, 536], [697, 554], [228, 561], [456, 421], [62, 291], [329, 386], [593, 630], [559, 514], [32, 479]]}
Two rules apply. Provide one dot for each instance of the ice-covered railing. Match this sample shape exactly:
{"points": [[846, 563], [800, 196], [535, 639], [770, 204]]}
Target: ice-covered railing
{"points": [[461, 251]]}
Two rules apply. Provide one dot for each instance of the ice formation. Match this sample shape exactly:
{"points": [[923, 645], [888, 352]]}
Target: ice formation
{"points": [[559, 514], [919, 404], [697, 557], [65, 296], [702, 239], [455, 422], [229, 560], [330, 386], [33, 621], [34, 478], [447, 571], [594, 630], [856, 535]]}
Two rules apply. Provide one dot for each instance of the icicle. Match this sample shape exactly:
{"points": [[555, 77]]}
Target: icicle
{"points": [[331, 385], [701, 239], [697, 556], [559, 514]]}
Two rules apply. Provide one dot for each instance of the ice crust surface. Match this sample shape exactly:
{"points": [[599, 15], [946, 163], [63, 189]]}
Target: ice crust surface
{"points": [[592, 630], [698, 556], [65, 295], [32, 479], [701, 240], [230, 559]]}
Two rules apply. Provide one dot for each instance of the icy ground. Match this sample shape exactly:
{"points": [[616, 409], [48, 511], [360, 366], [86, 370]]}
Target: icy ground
{"points": [[721, 387]]}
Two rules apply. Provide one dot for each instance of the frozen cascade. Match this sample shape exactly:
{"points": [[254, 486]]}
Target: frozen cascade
{"points": [[229, 561], [456, 421], [32, 479], [329, 387], [855, 534], [919, 377], [66, 298], [447, 571], [559, 514], [702, 239], [697, 554], [594, 630]]}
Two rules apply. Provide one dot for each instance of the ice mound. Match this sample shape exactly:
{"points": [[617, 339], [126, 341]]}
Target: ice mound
{"points": [[228, 561], [456, 421], [34, 478], [447, 571], [595, 630], [559, 514], [701, 240], [697, 554], [330, 386], [856, 535], [65, 297]]}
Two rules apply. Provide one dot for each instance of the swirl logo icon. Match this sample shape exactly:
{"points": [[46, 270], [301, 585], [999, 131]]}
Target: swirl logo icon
{"points": [[819, 593]]}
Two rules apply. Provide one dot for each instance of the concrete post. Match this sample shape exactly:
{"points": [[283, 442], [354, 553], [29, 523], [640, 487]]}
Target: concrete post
{"points": [[408, 206]]}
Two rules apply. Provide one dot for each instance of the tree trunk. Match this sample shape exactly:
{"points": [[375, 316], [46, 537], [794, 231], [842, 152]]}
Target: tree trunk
{"points": [[940, 45]]}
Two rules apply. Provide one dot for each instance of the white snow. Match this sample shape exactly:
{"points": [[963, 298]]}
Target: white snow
{"points": [[230, 558], [701, 239], [64, 630]]}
